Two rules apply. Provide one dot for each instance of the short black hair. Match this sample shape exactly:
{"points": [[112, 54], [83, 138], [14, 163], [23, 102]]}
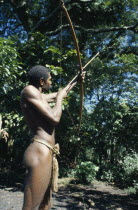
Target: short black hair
{"points": [[36, 73]]}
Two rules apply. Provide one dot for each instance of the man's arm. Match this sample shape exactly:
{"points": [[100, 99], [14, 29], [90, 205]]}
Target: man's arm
{"points": [[50, 97], [34, 98]]}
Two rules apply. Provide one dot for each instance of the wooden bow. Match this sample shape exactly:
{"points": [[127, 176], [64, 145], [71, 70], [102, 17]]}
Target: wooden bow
{"points": [[79, 58]]}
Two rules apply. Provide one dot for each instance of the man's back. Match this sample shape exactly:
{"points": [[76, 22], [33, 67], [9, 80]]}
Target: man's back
{"points": [[33, 107]]}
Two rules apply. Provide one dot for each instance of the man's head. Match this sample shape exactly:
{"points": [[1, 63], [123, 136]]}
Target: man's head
{"points": [[39, 76]]}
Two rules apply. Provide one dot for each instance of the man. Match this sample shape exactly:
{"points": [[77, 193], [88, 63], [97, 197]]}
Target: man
{"points": [[41, 119]]}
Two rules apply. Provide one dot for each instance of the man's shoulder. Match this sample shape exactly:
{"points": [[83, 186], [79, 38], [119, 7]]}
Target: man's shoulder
{"points": [[30, 88], [30, 91]]}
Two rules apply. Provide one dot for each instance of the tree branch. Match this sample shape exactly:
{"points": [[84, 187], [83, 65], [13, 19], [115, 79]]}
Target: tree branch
{"points": [[21, 9], [93, 31], [44, 21]]}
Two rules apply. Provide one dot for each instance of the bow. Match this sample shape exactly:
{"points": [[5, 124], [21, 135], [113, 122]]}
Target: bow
{"points": [[79, 58]]}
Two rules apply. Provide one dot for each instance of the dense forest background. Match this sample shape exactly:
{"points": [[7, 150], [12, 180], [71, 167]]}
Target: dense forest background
{"points": [[37, 32]]}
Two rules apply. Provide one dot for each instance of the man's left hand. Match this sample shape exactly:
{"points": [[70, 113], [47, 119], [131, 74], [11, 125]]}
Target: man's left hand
{"points": [[81, 76]]}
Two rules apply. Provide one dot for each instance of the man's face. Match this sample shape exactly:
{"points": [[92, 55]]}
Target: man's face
{"points": [[47, 83]]}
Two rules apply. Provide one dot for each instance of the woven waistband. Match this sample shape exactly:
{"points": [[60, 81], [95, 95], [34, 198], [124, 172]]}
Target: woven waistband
{"points": [[55, 149]]}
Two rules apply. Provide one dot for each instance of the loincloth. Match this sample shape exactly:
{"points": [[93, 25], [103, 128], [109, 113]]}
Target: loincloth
{"points": [[55, 167]]}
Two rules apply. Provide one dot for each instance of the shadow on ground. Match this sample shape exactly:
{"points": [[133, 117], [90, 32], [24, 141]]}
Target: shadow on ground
{"points": [[94, 197], [98, 196]]}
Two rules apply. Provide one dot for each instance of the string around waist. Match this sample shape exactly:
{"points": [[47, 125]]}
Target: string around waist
{"points": [[55, 148]]}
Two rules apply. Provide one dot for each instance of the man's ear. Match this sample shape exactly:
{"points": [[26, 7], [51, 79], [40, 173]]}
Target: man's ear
{"points": [[41, 82]]}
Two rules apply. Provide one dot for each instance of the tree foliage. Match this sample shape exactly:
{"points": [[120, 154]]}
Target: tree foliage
{"points": [[37, 32]]}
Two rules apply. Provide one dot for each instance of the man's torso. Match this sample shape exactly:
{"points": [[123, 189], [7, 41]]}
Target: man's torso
{"points": [[39, 126]]}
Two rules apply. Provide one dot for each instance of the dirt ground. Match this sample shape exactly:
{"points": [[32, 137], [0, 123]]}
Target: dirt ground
{"points": [[98, 196]]}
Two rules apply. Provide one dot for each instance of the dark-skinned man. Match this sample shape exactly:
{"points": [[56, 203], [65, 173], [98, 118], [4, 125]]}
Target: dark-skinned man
{"points": [[41, 119]]}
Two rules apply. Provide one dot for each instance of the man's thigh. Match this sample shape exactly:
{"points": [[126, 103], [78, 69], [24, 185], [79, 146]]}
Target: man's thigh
{"points": [[37, 183]]}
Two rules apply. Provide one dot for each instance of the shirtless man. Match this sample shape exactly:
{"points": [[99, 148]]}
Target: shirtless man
{"points": [[41, 119]]}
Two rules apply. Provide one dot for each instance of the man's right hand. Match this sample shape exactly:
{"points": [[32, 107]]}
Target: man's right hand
{"points": [[62, 93]]}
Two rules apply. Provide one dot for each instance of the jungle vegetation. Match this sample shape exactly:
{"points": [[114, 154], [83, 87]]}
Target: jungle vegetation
{"points": [[37, 32]]}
